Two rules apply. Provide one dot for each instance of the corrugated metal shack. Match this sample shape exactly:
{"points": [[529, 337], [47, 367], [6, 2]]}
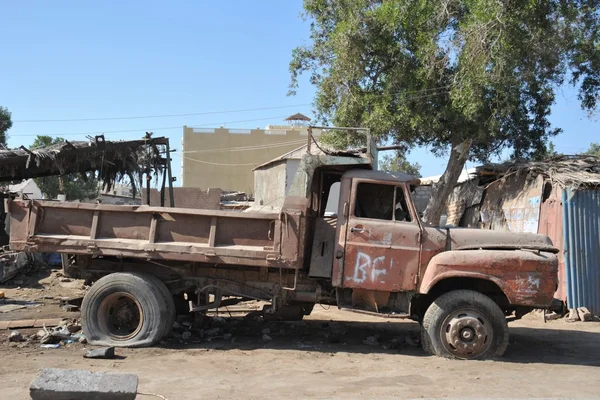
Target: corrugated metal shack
{"points": [[559, 197]]}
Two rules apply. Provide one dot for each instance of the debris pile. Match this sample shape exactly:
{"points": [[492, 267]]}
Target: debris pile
{"points": [[68, 332], [14, 263], [580, 314]]}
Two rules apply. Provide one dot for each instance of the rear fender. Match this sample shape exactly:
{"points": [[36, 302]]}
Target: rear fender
{"points": [[527, 278]]}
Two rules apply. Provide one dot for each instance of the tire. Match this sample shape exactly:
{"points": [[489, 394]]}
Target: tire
{"points": [[169, 302], [464, 324], [125, 310]]}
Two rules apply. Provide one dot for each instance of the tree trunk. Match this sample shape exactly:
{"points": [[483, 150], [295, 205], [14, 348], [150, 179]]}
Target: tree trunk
{"points": [[441, 190], [61, 185]]}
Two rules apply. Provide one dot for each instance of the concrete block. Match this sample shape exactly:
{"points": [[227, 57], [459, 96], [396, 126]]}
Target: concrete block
{"points": [[102, 352], [584, 314], [64, 384]]}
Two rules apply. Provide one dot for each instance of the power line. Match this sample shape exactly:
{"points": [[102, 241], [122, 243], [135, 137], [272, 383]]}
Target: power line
{"points": [[199, 113], [158, 116], [150, 129], [245, 148], [220, 164]]}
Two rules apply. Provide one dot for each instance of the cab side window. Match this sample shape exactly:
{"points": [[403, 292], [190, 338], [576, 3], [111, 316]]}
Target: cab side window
{"points": [[374, 201], [385, 202], [401, 210]]}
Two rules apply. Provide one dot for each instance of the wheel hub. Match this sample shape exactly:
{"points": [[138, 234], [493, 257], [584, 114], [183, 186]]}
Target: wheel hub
{"points": [[120, 316], [466, 334]]}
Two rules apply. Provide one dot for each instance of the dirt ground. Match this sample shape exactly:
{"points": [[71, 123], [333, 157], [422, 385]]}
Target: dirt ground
{"points": [[323, 356]]}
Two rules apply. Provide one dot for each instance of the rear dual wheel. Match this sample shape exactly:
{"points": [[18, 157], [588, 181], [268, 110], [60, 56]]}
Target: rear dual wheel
{"points": [[127, 310]]}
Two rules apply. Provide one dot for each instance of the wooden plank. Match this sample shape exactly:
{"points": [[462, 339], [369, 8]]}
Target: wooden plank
{"points": [[48, 205], [94, 229], [30, 323], [212, 237], [152, 233], [33, 213]]}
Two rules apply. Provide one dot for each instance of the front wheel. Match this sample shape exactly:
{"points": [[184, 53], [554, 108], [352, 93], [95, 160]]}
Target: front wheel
{"points": [[464, 324]]}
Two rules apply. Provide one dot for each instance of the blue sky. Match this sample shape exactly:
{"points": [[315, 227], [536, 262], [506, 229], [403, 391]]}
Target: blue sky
{"points": [[68, 59]]}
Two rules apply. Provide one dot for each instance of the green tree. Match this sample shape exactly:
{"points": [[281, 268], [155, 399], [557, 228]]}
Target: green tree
{"points": [[594, 150], [73, 186], [469, 78], [399, 163], [546, 152], [5, 124]]}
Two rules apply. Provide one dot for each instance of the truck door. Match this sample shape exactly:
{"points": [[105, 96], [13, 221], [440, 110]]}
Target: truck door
{"points": [[382, 243]]}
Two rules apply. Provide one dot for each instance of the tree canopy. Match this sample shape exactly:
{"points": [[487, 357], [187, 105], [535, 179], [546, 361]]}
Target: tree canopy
{"points": [[73, 186], [5, 124], [594, 150], [398, 163], [468, 78]]}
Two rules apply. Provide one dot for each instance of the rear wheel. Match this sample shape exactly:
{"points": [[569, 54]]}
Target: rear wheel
{"points": [[464, 324], [126, 310]]}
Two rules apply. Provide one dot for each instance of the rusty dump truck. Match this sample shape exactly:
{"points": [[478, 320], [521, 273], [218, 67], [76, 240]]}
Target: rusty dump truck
{"points": [[374, 255]]}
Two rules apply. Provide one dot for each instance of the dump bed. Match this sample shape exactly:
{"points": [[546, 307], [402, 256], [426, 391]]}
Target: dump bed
{"points": [[159, 233]]}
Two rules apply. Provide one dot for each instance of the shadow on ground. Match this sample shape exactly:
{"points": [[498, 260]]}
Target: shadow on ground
{"points": [[527, 344]]}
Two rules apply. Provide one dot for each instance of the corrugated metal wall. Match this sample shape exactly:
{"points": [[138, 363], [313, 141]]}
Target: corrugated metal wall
{"points": [[551, 224], [581, 221]]}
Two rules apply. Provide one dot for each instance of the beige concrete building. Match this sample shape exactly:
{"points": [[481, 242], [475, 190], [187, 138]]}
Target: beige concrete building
{"points": [[225, 158]]}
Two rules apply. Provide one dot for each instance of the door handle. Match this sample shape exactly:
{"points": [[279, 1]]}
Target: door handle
{"points": [[357, 229]]}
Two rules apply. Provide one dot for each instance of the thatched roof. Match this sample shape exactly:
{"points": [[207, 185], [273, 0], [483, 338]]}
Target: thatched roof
{"points": [[565, 171], [297, 117], [110, 160]]}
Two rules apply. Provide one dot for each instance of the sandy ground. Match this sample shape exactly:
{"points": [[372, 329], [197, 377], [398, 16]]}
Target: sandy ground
{"points": [[321, 357]]}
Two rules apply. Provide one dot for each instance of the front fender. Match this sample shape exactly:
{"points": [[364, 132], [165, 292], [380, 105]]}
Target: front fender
{"points": [[527, 278]]}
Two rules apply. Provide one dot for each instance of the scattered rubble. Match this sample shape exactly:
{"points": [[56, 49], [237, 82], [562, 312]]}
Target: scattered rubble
{"points": [[15, 336], [584, 314], [266, 338], [580, 314], [14, 263], [371, 341]]}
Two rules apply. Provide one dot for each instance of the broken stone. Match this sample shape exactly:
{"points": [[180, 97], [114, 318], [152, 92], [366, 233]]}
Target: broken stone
{"points": [[15, 336], [70, 308], [73, 328], [572, 316], [103, 352], [551, 316], [266, 338], [53, 383], [186, 335], [212, 332], [371, 341], [584, 314], [81, 339]]}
